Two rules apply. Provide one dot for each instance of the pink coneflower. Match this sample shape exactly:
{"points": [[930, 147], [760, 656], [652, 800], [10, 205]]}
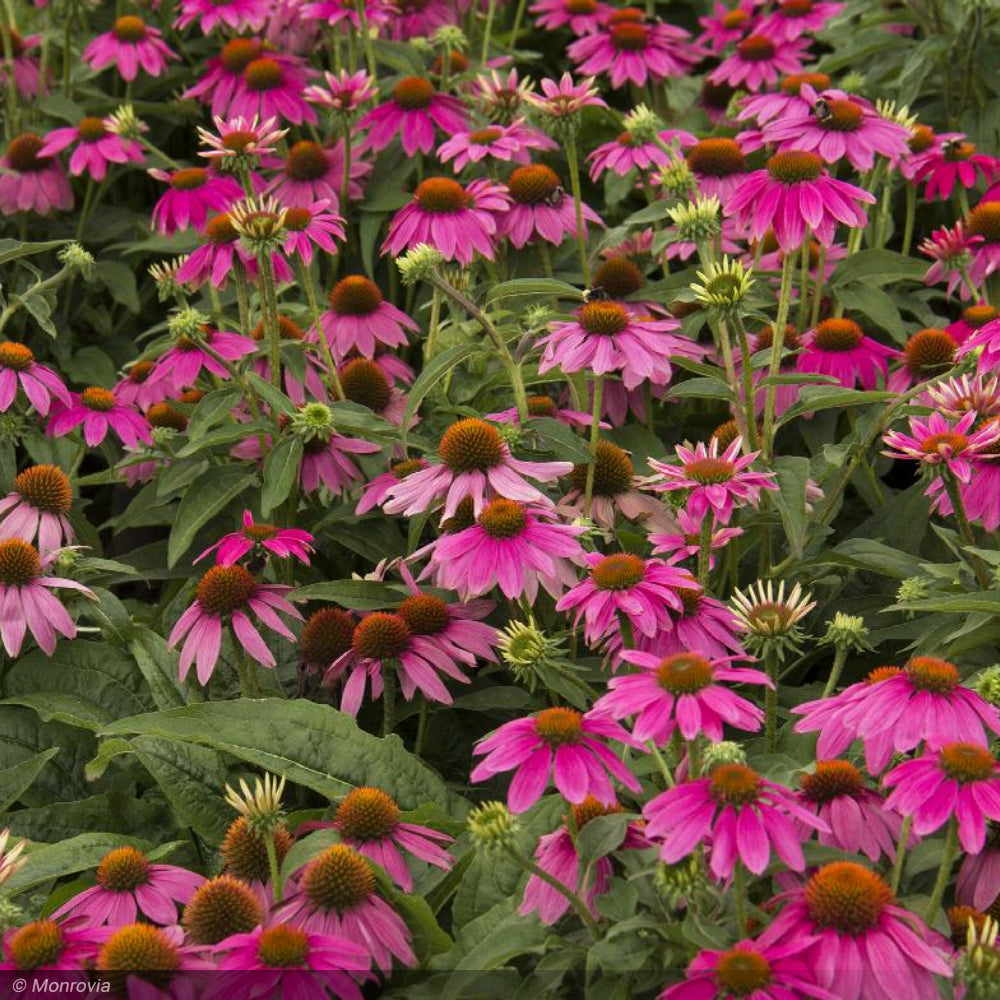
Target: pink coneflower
{"points": [[96, 147], [375, 492], [215, 259], [623, 155], [367, 819], [412, 113], [857, 817], [193, 192], [681, 692], [559, 100], [839, 348], [984, 221], [960, 780], [24, 594], [541, 208], [225, 594], [326, 462], [180, 366], [726, 25], [134, 390], [383, 641], [151, 963], [497, 143], [364, 382], [544, 406], [419, 18], [719, 166], [934, 441], [476, 462], [31, 182], [614, 490], [856, 935], [45, 946], [978, 881], [952, 158], [39, 506], [224, 74], [954, 397], [311, 386], [502, 97], [285, 543], [750, 969], [927, 353], [951, 250], [972, 319], [686, 542], [794, 18], [271, 86], [312, 226], [344, 92], [129, 884], [786, 100], [739, 814], [237, 15], [26, 73], [557, 855], [561, 745], [307, 173], [582, 17], [984, 344], [131, 44], [511, 546], [336, 893], [606, 337], [758, 62], [623, 583], [457, 221], [19, 369], [359, 319], [630, 48], [99, 411], [282, 960], [838, 127], [718, 483], [897, 710], [334, 12], [792, 192]]}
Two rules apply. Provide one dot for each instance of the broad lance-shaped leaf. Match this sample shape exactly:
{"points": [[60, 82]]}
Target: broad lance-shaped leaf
{"points": [[432, 373], [280, 469], [15, 780], [208, 495], [310, 744]]}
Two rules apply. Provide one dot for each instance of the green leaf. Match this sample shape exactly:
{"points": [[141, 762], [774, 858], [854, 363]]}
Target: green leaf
{"points": [[310, 744], [280, 471], [987, 601], [602, 835], [274, 397], [875, 304], [85, 684], [15, 780], [826, 397], [790, 499], [434, 372], [361, 595], [702, 388], [560, 440], [210, 494], [877, 267], [67, 857], [213, 407], [533, 286], [159, 667], [119, 279], [12, 249]]}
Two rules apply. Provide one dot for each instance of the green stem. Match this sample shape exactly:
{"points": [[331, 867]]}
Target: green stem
{"points": [[740, 899], [272, 864], [658, 757], [839, 659], [242, 295], [345, 180], [954, 490], [777, 346], [911, 217], [948, 853], [749, 418], [418, 745], [574, 179], [771, 702], [269, 310], [705, 548], [579, 906], [518, 19], [306, 280], [432, 326], [694, 759], [491, 10], [595, 434], [804, 277], [897, 867], [366, 40], [817, 301], [388, 697]]}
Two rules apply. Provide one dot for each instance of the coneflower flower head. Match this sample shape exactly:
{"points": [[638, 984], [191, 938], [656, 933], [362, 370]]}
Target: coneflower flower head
{"points": [[724, 284], [769, 619], [260, 806]]}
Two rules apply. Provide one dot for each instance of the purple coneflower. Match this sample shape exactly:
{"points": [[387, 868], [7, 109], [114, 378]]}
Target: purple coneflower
{"points": [[413, 113], [131, 45]]}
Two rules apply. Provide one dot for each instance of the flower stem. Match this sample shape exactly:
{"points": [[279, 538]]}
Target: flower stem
{"points": [[777, 346], [948, 852], [771, 702], [658, 757], [272, 864], [306, 280], [748, 388], [242, 295], [432, 326], [911, 217], [269, 311], [897, 867], [595, 433], [491, 10], [740, 899], [345, 180], [579, 907], [574, 179], [965, 529], [388, 698], [366, 39], [839, 659]]}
